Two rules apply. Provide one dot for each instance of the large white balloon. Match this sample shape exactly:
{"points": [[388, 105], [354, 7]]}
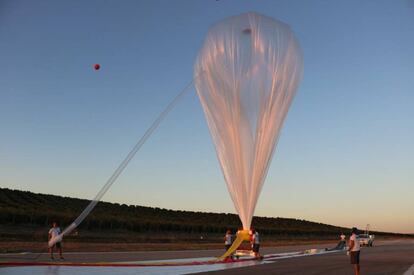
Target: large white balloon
{"points": [[246, 75]]}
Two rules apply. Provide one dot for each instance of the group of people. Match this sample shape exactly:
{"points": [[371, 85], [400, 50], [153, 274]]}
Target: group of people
{"points": [[353, 249], [254, 241], [353, 245]]}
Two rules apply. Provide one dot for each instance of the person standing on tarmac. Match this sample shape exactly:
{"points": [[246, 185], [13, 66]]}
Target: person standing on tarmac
{"points": [[354, 250], [228, 239], [255, 241], [53, 233]]}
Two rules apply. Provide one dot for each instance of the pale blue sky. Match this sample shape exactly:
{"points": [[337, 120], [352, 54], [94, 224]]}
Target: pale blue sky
{"points": [[345, 155]]}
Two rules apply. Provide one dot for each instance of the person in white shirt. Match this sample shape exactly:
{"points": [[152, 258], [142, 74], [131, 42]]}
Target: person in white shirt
{"points": [[53, 233], [255, 241], [354, 250], [228, 239], [342, 242]]}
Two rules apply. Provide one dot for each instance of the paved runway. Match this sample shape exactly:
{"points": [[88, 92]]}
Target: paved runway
{"points": [[390, 257], [88, 257], [386, 258]]}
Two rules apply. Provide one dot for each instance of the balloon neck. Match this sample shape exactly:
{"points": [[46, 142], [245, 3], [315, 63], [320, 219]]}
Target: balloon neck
{"points": [[244, 234]]}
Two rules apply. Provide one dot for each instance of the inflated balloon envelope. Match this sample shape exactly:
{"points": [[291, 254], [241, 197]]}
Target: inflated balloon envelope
{"points": [[246, 75]]}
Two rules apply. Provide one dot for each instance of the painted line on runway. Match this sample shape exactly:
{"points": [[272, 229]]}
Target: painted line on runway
{"points": [[410, 271]]}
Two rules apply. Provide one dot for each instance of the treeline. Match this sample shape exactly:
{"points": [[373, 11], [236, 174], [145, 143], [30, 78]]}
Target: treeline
{"points": [[22, 208]]}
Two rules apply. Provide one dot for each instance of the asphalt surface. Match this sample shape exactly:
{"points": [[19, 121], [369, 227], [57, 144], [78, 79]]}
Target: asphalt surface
{"points": [[92, 257], [387, 257]]}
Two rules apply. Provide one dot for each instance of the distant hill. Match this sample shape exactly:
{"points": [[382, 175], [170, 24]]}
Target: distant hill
{"points": [[30, 212]]}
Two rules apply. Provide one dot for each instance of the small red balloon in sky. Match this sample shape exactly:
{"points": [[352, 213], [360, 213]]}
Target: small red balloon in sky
{"points": [[97, 66]]}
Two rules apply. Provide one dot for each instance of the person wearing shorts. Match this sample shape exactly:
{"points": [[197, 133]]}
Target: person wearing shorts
{"points": [[53, 233], [354, 250]]}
